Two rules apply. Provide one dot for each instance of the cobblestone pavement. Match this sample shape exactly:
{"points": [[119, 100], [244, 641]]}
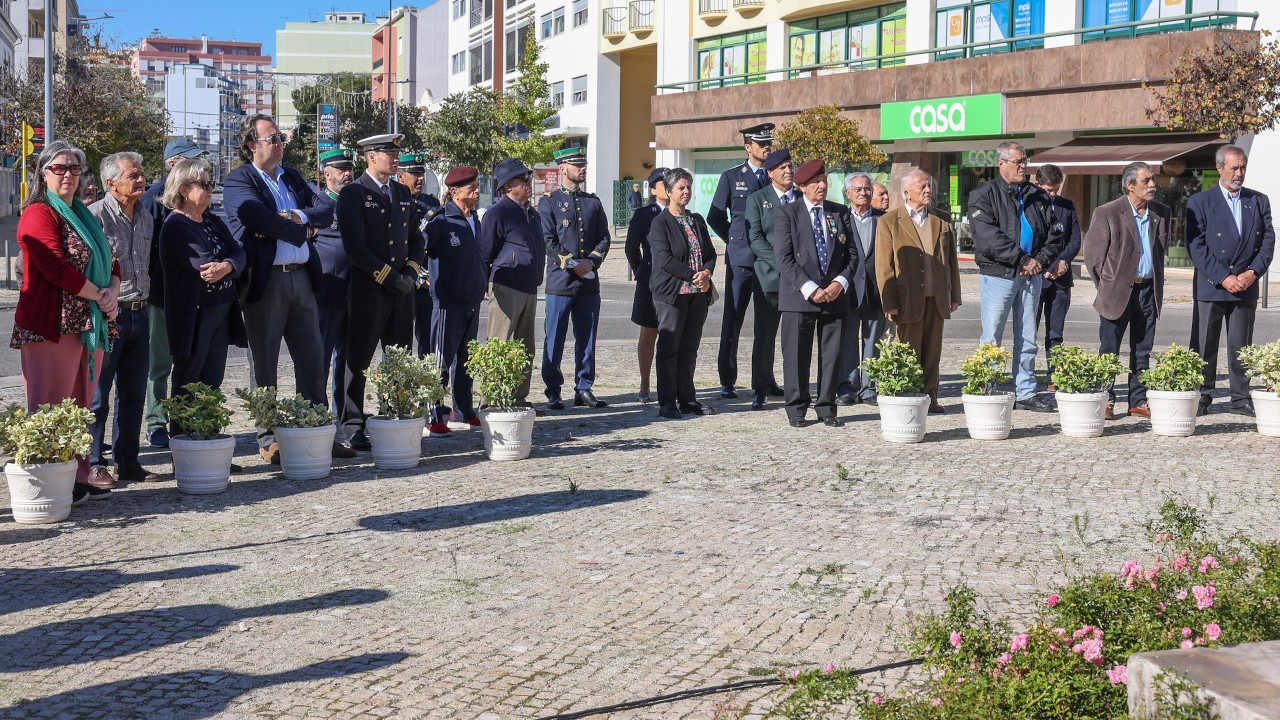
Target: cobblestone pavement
{"points": [[689, 555]]}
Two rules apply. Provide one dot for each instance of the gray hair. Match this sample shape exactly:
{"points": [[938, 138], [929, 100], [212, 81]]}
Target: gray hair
{"points": [[1129, 175], [1005, 149], [109, 169], [675, 175], [915, 173], [1220, 157], [183, 174], [40, 190], [848, 181]]}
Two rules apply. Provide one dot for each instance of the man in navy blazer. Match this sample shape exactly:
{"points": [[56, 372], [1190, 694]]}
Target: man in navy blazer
{"points": [[1231, 241], [1055, 292], [818, 282], [273, 212]]}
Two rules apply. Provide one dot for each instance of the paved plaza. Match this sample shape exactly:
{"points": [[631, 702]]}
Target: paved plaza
{"points": [[628, 557]]}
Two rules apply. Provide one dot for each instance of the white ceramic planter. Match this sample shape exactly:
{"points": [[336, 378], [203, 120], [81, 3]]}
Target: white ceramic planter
{"points": [[902, 417], [305, 453], [988, 417], [202, 467], [41, 493], [1266, 411], [397, 444], [507, 435], [1082, 414], [1173, 413]]}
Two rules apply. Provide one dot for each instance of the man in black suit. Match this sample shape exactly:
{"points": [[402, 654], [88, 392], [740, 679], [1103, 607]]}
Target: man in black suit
{"points": [[273, 212], [819, 281], [866, 320], [1231, 241], [762, 207], [1055, 292]]}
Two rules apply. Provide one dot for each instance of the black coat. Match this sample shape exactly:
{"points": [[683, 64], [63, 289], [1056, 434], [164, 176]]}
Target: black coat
{"points": [[458, 275], [380, 235], [639, 256], [332, 290], [670, 247], [1065, 211], [150, 201], [512, 245], [796, 251], [184, 247], [997, 232], [727, 215]]}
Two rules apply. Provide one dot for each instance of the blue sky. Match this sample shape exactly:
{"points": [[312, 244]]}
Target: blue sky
{"points": [[244, 20]]}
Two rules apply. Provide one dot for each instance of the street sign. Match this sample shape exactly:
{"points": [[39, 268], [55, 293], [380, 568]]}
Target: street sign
{"points": [[326, 126]]}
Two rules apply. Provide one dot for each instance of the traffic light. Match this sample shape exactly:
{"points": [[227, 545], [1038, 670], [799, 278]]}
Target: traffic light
{"points": [[27, 147]]}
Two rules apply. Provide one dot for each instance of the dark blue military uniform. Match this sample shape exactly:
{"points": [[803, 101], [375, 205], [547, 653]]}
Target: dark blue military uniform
{"points": [[422, 303], [458, 284], [331, 298]]}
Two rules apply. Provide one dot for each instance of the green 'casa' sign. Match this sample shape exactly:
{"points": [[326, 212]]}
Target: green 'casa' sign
{"points": [[943, 117]]}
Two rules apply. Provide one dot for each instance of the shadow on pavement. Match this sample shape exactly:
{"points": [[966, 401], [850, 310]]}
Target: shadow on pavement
{"points": [[27, 588], [101, 637], [187, 695], [487, 511]]}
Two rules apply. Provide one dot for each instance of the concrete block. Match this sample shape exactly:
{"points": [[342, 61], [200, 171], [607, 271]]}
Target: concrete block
{"points": [[1234, 682]]}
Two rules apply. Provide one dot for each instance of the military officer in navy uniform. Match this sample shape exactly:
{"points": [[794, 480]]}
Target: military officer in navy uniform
{"points": [[336, 168], [643, 312], [379, 222], [726, 217], [577, 235], [459, 280], [412, 174]]}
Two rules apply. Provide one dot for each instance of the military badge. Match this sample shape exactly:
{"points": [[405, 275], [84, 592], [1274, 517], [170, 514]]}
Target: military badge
{"points": [[453, 240], [564, 223], [843, 240], [767, 205]]}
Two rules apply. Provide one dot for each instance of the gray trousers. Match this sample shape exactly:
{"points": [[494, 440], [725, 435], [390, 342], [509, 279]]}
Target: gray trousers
{"points": [[287, 311], [512, 316], [863, 329], [160, 365]]}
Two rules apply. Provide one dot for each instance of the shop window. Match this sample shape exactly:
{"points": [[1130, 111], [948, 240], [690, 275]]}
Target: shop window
{"points": [[841, 40], [727, 56], [1099, 13], [960, 22]]}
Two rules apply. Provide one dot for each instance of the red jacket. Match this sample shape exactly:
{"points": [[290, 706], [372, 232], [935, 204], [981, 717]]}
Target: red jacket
{"points": [[45, 271]]}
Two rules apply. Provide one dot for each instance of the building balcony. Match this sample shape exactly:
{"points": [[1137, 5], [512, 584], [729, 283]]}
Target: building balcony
{"points": [[747, 6], [613, 22], [711, 9], [640, 16]]}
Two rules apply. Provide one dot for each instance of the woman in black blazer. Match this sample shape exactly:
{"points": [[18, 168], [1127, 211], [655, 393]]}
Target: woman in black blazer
{"points": [[683, 260]]}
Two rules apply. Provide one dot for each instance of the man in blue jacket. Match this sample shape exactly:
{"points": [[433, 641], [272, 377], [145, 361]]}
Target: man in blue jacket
{"points": [[515, 255], [576, 231], [1231, 241], [336, 167], [413, 174], [1055, 290]]}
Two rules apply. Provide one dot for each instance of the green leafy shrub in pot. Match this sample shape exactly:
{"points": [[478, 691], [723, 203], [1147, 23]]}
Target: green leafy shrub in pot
{"points": [[202, 414], [1077, 371], [497, 369], [983, 371], [404, 384], [896, 371], [1262, 362], [1176, 370], [52, 434], [270, 412]]}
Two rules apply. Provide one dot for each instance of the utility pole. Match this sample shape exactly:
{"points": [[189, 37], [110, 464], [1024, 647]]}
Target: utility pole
{"points": [[48, 72]]}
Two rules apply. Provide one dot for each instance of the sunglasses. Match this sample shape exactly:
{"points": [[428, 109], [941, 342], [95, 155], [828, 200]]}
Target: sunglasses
{"points": [[208, 185], [60, 170], [278, 138]]}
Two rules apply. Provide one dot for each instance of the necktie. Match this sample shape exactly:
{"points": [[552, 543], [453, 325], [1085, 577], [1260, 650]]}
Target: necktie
{"points": [[785, 197], [821, 239], [760, 176]]}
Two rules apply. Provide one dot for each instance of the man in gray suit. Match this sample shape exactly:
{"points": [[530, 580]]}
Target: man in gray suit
{"points": [[761, 210], [1124, 251], [865, 324]]}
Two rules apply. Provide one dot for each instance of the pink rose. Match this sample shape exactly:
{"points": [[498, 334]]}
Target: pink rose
{"points": [[1160, 607], [1213, 632], [1118, 675], [795, 673], [1209, 562], [1053, 647], [1182, 595], [937, 702], [1052, 600], [1187, 644], [1180, 563], [1091, 650], [1004, 658], [956, 639], [1020, 642], [1233, 559], [877, 700], [829, 668], [1186, 632], [1060, 632], [1204, 596]]}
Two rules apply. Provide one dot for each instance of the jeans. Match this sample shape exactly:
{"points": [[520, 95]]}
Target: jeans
{"points": [[1021, 295], [126, 367]]}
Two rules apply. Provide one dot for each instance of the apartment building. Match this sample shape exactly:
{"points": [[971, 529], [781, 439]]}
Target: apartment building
{"points": [[304, 50], [205, 106], [240, 62], [27, 25], [409, 55]]}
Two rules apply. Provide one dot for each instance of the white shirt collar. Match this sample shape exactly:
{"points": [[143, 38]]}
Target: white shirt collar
{"points": [[780, 193], [918, 217], [808, 206]]}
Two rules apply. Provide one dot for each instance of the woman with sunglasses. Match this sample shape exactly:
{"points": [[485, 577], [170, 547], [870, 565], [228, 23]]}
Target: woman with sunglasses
{"points": [[200, 260], [70, 283]]}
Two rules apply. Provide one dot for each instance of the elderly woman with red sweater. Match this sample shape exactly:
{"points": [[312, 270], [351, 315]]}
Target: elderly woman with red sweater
{"points": [[70, 283]]}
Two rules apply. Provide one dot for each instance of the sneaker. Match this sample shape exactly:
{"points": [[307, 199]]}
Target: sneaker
{"points": [[158, 437], [84, 492], [474, 421], [439, 430]]}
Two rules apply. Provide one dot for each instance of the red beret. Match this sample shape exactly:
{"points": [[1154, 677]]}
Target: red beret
{"points": [[809, 171], [460, 176]]}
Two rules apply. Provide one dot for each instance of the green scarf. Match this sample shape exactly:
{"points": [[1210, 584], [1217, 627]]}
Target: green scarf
{"points": [[97, 272]]}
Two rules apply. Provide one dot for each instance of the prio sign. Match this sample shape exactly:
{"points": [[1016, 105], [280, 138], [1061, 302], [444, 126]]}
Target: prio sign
{"points": [[943, 117]]}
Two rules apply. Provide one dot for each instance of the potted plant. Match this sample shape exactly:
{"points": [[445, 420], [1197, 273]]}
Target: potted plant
{"points": [[303, 430], [1083, 380], [1173, 390], [44, 445], [988, 412], [898, 379], [497, 369], [1262, 362], [405, 386], [202, 453]]}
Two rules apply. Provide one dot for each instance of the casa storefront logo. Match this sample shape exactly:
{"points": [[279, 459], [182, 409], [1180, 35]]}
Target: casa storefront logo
{"points": [[943, 117]]}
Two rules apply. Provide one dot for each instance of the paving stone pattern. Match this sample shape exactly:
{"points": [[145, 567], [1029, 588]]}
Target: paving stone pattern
{"points": [[692, 553]]}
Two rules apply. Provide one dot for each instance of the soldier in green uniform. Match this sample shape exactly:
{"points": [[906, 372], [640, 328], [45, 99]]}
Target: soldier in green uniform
{"points": [[336, 167]]}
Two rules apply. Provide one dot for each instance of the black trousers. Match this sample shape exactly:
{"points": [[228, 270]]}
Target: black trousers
{"points": [[333, 337], [452, 328], [679, 335], [766, 337], [1238, 315], [371, 319], [1140, 318], [423, 307], [1055, 301], [798, 331], [737, 298], [207, 362]]}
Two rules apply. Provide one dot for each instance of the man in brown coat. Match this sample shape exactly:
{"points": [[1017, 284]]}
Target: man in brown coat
{"points": [[918, 274], [1124, 252]]}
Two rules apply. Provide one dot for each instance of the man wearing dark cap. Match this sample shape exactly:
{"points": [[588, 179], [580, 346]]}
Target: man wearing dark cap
{"points": [[643, 313], [576, 231], [819, 281], [515, 256], [160, 364], [727, 218], [412, 174], [379, 223], [336, 168], [458, 282], [762, 206]]}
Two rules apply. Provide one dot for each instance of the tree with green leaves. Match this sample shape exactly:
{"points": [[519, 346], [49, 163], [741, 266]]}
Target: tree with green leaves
{"points": [[464, 131], [525, 110], [823, 133]]}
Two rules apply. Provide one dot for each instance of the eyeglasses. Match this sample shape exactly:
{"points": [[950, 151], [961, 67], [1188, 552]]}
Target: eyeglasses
{"points": [[1019, 161], [60, 170], [278, 138], [208, 185]]}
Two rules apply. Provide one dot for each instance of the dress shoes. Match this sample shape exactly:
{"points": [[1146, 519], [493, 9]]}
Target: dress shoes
{"points": [[158, 437], [586, 398], [831, 421], [758, 402], [846, 400], [554, 402], [236, 468], [1111, 411], [1242, 407], [869, 400], [1203, 408], [727, 392], [1051, 387], [270, 454], [670, 412], [1140, 410], [359, 441], [100, 477], [935, 408], [796, 422], [698, 409], [1034, 404], [776, 391], [135, 473]]}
